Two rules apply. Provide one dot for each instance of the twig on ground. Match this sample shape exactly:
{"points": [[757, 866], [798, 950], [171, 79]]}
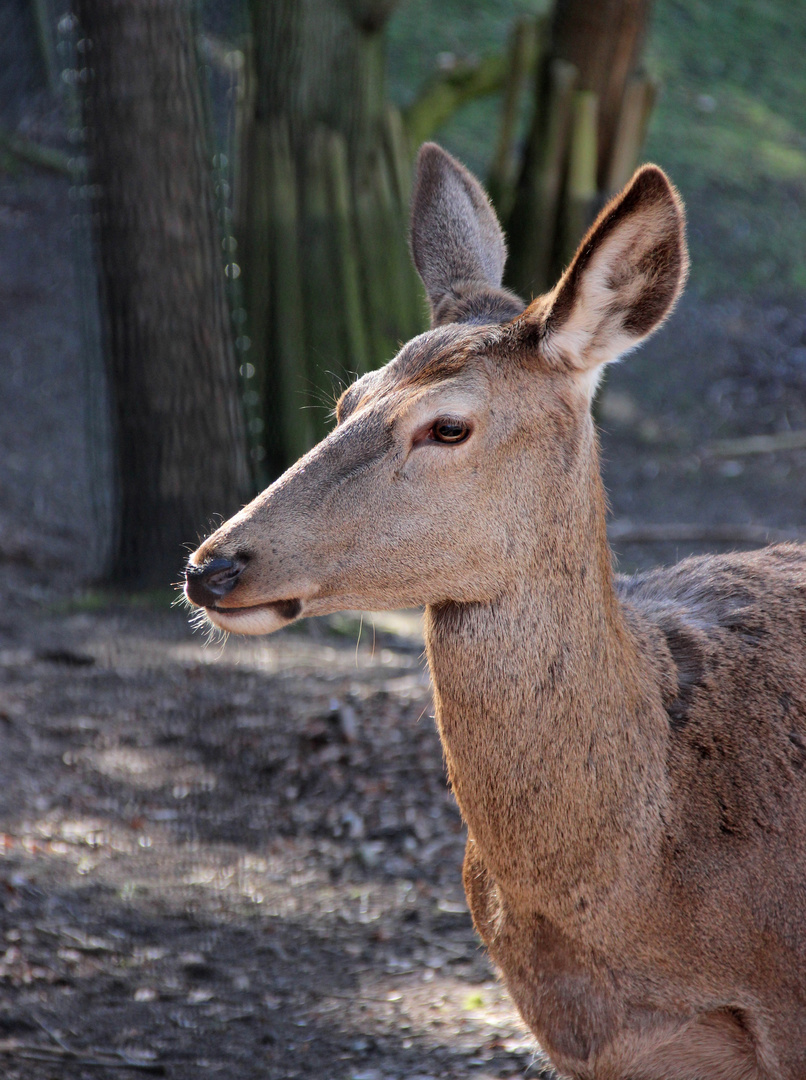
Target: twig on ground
{"points": [[84, 944], [758, 444], [93, 1059], [32, 1052], [53, 1035], [625, 532]]}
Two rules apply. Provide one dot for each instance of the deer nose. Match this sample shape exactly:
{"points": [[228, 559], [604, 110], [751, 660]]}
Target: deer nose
{"points": [[206, 584]]}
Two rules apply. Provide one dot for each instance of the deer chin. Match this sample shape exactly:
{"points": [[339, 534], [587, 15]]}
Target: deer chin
{"points": [[257, 618]]}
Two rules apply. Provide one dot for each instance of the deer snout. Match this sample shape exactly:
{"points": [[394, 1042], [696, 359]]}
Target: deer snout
{"points": [[205, 585]]}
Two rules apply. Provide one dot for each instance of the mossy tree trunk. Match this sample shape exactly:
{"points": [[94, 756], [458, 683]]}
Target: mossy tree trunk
{"points": [[592, 103], [178, 422], [604, 42], [324, 173]]}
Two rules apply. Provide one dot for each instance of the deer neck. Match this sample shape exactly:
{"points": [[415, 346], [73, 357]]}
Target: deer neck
{"points": [[553, 736]]}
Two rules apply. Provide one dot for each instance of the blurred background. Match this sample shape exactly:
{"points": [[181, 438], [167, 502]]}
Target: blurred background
{"points": [[227, 189], [248, 855]]}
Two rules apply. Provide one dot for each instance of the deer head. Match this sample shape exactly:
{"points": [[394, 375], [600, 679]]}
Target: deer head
{"points": [[462, 464]]}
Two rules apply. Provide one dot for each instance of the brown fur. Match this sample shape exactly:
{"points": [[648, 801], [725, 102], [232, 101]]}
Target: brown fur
{"points": [[629, 754]]}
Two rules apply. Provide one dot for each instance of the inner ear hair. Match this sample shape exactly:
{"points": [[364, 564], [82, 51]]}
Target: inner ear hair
{"points": [[476, 304], [623, 281]]}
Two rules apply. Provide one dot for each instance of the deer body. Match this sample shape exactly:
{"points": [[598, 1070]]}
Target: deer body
{"points": [[629, 755], [624, 933]]}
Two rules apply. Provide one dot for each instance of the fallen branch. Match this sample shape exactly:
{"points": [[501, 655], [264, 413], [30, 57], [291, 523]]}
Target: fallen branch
{"points": [[626, 532], [758, 444], [54, 1036], [34, 154], [77, 941], [49, 1054], [93, 1059]]}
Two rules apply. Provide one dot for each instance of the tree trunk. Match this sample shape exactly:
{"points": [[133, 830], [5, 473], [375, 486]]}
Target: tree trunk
{"points": [[603, 41], [323, 207], [592, 105], [178, 420]]}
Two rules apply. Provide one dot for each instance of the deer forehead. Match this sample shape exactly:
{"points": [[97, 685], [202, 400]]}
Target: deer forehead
{"points": [[460, 370], [427, 360], [440, 354]]}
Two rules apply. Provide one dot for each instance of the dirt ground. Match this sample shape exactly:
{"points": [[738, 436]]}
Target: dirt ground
{"points": [[243, 860]]}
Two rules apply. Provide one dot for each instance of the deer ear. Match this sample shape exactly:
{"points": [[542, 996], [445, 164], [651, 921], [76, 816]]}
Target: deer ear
{"points": [[622, 283], [457, 244]]}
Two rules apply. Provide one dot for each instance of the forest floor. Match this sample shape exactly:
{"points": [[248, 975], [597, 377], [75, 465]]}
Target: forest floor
{"points": [[243, 860]]}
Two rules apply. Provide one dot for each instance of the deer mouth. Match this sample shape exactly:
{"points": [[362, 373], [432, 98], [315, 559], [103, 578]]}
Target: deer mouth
{"points": [[286, 609], [254, 618]]}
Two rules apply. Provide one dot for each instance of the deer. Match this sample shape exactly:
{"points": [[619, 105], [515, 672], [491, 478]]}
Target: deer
{"points": [[628, 753]]}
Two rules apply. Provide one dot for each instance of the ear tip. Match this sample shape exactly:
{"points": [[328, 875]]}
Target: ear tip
{"points": [[431, 156], [650, 169], [650, 181], [651, 184], [429, 149]]}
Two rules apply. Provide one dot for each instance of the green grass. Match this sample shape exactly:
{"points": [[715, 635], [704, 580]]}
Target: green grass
{"points": [[729, 126]]}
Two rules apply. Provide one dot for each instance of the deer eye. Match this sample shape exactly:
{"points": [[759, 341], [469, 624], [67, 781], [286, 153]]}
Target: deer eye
{"points": [[450, 431]]}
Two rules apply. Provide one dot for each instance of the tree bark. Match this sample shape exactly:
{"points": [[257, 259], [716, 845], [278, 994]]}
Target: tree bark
{"points": [[331, 292], [332, 69], [603, 41], [571, 160], [178, 421]]}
